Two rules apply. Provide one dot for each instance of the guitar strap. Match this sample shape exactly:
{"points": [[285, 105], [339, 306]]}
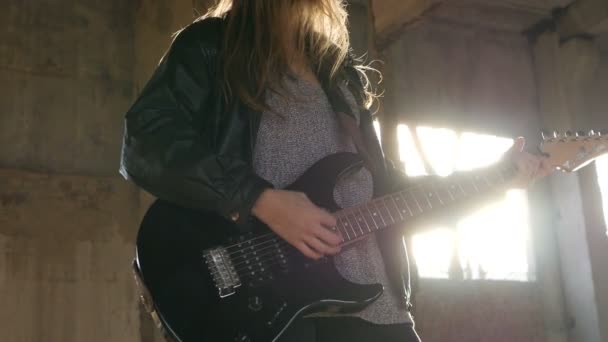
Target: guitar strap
{"points": [[352, 129], [390, 242]]}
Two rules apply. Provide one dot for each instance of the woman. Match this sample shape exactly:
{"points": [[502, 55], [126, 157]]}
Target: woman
{"points": [[248, 98]]}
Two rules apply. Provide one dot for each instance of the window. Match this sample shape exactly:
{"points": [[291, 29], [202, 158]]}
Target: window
{"points": [[602, 176], [492, 243]]}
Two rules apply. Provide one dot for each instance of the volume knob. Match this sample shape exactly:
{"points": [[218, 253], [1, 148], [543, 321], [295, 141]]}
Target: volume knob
{"points": [[255, 303]]}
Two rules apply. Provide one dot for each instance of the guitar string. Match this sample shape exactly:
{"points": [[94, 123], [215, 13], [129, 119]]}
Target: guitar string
{"points": [[270, 236], [378, 198], [274, 238], [253, 251], [246, 275], [268, 261], [271, 258], [268, 255], [260, 253], [260, 265], [278, 242], [342, 214], [274, 241]]}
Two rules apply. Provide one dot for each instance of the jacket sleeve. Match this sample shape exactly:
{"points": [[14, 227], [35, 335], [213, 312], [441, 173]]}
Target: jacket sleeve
{"points": [[168, 147]]}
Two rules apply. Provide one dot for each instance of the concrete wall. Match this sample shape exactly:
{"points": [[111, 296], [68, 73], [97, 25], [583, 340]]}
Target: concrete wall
{"points": [[485, 311], [596, 102], [66, 79], [596, 232], [571, 76], [67, 222]]}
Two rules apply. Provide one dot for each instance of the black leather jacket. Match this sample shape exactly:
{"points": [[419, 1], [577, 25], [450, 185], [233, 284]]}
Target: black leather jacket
{"points": [[182, 143]]}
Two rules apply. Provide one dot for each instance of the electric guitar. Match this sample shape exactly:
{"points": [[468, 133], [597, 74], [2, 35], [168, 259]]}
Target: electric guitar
{"points": [[207, 282]]}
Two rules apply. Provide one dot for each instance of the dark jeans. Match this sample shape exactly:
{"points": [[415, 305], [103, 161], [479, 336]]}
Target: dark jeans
{"points": [[347, 329]]}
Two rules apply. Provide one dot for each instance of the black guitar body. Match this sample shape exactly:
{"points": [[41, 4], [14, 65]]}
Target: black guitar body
{"points": [[211, 283]]}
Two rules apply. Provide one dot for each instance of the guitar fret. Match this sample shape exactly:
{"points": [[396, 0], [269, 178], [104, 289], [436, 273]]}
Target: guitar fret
{"points": [[354, 226], [347, 227], [368, 218], [358, 219], [362, 218], [416, 201], [404, 202], [449, 192], [462, 190], [485, 179], [390, 207], [341, 221], [372, 216], [350, 225], [426, 197], [383, 208], [378, 213], [474, 181], [342, 232], [396, 207], [434, 188], [449, 197], [430, 195]]}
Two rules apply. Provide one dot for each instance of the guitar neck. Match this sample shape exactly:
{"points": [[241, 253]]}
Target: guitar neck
{"points": [[419, 200]]}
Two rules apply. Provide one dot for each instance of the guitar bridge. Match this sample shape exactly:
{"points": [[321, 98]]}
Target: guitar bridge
{"points": [[222, 270]]}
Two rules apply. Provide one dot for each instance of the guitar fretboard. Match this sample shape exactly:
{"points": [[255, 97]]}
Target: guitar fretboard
{"points": [[356, 222]]}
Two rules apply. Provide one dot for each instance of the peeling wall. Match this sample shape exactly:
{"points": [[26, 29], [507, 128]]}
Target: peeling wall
{"points": [[66, 74], [66, 243], [67, 221]]}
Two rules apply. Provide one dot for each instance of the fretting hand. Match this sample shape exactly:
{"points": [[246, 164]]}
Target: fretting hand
{"points": [[530, 167]]}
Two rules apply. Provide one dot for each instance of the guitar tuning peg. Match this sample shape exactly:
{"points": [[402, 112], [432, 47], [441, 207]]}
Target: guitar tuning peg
{"points": [[568, 134], [545, 135], [581, 134], [591, 133], [555, 134]]}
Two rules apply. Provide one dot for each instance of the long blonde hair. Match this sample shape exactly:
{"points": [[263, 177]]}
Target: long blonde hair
{"points": [[263, 37]]}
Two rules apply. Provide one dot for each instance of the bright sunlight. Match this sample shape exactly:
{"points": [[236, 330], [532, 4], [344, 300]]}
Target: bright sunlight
{"points": [[602, 177], [491, 243]]}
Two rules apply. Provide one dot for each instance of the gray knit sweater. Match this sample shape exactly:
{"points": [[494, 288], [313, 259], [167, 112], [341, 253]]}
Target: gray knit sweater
{"points": [[288, 144]]}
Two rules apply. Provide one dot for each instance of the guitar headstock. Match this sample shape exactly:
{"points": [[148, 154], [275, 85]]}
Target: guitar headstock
{"points": [[569, 151]]}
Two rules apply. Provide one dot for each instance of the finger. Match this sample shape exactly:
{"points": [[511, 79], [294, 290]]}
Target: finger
{"points": [[328, 220], [327, 236], [546, 167], [518, 145], [307, 251], [529, 163], [533, 166], [320, 247]]}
